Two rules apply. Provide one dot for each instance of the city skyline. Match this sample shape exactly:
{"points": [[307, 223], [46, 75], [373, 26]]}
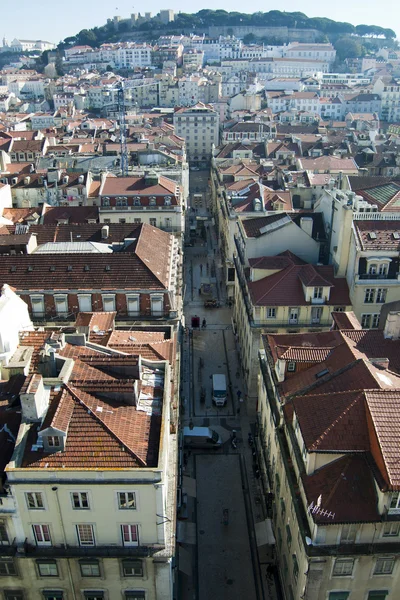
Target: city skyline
{"points": [[23, 21]]}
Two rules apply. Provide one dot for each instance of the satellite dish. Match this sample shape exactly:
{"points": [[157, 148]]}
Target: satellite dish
{"points": [[96, 328]]}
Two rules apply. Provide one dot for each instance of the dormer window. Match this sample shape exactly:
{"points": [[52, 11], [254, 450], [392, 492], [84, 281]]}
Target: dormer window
{"points": [[137, 201], [106, 201], [54, 441], [372, 269], [152, 201], [318, 291], [395, 504], [167, 200]]}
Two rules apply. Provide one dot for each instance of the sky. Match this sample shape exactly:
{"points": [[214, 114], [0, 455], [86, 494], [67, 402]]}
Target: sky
{"points": [[46, 19]]}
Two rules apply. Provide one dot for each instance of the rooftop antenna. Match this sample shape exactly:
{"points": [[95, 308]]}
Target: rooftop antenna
{"points": [[122, 130]]}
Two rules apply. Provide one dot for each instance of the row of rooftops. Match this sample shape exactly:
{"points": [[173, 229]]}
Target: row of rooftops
{"points": [[100, 405], [344, 400]]}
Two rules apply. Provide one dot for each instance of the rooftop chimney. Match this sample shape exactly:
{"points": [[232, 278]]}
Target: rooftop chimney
{"points": [[306, 224], [392, 326], [34, 400]]}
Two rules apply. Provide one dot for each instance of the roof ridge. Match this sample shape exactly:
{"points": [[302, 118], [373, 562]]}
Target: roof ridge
{"points": [[336, 421], [325, 378], [97, 418]]}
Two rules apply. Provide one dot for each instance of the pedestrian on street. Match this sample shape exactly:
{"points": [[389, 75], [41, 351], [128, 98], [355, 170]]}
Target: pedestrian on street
{"points": [[201, 268], [204, 324], [239, 394], [214, 251], [238, 410]]}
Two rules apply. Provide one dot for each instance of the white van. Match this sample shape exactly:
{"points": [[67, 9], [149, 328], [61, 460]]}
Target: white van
{"points": [[201, 437], [219, 389]]}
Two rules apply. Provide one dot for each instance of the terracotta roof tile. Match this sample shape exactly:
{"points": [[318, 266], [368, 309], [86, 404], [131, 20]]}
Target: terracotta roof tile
{"points": [[345, 490]]}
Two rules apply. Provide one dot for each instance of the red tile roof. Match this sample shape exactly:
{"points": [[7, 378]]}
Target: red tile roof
{"points": [[383, 238], [345, 491], [285, 287]]}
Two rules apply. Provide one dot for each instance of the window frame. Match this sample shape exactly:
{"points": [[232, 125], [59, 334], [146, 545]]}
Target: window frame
{"points": [[342, 561], [78, 533], [94, 594], [126, 493], [369, 296], [383, 560], [41, 527], [7, 562], [90, 562], [80, 500], [53, 443], [271, 312], [14, 594], [35, 504], [126, 561], [128, 528], [133, 595], [390, 525], [50, 561]]}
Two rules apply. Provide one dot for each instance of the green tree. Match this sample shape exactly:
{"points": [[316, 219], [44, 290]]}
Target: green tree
{"points": [[250, 38], [348, 47]]}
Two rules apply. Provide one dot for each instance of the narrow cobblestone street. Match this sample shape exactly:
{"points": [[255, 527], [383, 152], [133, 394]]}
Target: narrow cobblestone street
{"points": [[224, 558]]}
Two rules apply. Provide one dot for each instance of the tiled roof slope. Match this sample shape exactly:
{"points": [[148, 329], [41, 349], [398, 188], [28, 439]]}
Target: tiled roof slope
{"points": [[147, 266]]}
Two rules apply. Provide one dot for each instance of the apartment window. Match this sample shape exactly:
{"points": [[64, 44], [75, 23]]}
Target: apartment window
{"points": [[135, 595], [7, 567], [365, 321], [54, 441], [283, 508], [137, 221], [375, 320], [47, 568], [80, 500], [377, 594], [130, 535], [61, 303], [288, 535], [381, 295], [348, 534], [153, 222], [106, 201], [90, 568], [157, 308], [3, 535], [271, 313], [291, 366], [85, 534], [37, 303], [85, 302], [369, 296], [395, 503], [126, 500], [137, 201], [295, 568], [391, 529], [383, 269], [93, 595], [34, 500], [338, 595], [42, 534], [14, 595], [109, 303], [343, 567], [132, 568], [384, 565], [318, 292]]}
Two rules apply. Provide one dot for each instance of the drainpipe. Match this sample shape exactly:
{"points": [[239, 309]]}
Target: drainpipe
{"points": [[55, 489]]}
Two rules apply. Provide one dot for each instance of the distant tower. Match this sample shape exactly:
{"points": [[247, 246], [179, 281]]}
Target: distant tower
{"points": [[5, 42]]}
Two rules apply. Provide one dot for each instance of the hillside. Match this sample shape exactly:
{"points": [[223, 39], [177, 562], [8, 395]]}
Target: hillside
{"points": [[200, 22]]}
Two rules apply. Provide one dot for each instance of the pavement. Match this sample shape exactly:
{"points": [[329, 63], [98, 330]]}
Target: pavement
{"points": [[224, 561]]}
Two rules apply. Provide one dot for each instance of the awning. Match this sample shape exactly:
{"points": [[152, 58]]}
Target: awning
{"points": [[185, 561], [264, 533], [189, 486]]}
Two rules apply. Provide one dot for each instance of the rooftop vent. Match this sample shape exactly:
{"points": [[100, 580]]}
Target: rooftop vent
{"points": [[372, 235]]}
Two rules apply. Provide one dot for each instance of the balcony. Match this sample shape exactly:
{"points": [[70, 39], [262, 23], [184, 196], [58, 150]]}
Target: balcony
{"points": [[389, 279], [67, 551]]}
